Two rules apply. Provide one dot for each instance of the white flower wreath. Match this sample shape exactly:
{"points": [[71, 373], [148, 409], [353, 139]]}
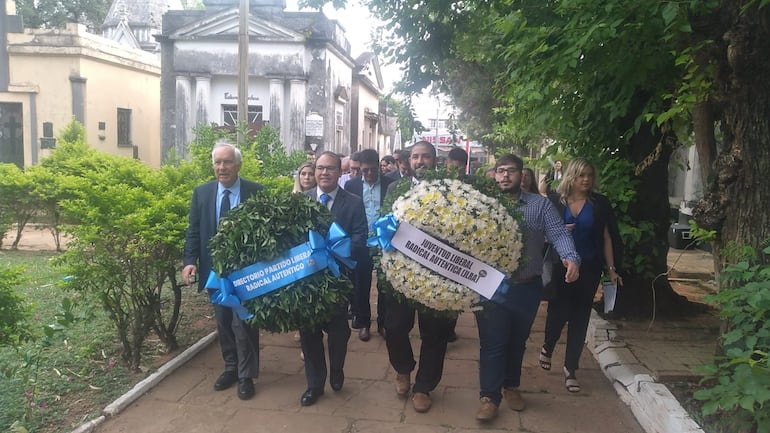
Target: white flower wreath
{"points": [[468, 220]]}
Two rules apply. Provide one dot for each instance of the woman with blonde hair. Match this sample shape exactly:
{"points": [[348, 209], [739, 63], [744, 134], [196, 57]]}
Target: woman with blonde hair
{"points": [[528, 182], [305, 178], [588, 215]]}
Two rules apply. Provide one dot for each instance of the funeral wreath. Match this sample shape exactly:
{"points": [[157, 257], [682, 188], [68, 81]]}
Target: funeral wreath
{"points": [[469, 217], [265, 239]]}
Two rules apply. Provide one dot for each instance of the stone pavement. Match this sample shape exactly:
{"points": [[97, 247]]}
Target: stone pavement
{"points": [[634, 355], [640, 356], [186, 402]]}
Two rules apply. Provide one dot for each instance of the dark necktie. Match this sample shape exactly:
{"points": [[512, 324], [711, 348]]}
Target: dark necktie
{"points": [[325, 198], [224, 207]]}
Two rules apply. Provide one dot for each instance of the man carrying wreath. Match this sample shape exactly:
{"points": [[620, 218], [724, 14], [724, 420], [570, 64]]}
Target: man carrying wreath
{"points": [[504, 325], [348, 212], [435, 331]]}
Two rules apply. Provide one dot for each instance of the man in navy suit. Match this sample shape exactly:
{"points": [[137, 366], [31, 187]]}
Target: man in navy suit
{"points": [[372, 188], [239, 341], [348, 212]]}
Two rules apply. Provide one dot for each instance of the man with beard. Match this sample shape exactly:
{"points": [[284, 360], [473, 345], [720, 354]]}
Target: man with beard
{"points": [[504, 325], [399, 321]]}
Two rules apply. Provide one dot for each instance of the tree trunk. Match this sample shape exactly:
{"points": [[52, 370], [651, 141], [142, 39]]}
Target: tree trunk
{"points": [[648, 293], [739, 192]]}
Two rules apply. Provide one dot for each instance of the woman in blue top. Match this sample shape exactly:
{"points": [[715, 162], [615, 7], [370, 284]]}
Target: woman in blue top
{"points": [[588, 215]]}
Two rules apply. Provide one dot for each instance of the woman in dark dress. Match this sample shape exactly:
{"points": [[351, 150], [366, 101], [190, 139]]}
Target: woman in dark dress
{"points": [[588, 215]]}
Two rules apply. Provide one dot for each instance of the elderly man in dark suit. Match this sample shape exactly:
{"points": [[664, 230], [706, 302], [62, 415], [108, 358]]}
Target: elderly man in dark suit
{"points": [[372, 188], [348, 212], [210, 202]]}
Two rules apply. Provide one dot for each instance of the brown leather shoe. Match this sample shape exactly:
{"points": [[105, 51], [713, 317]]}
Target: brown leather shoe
{"points": [[514, 398], [403, 383], [421, 402], [363, 334], [487, 411]]}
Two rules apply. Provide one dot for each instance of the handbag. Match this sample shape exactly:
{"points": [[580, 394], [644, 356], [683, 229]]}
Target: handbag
{"points": [[553, 272]]}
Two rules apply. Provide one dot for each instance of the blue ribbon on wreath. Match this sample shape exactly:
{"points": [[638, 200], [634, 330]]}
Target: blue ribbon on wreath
{"points": [[384, 230], [260, 278]]}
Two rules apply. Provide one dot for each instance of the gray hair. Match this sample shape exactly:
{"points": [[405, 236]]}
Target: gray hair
{"points": [[224, 143]]}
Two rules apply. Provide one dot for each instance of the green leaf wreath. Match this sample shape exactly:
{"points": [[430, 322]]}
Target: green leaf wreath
{"points": [[262, 228]]}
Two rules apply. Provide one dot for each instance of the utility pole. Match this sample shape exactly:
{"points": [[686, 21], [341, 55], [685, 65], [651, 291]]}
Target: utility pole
{"points": [[243, 69]]}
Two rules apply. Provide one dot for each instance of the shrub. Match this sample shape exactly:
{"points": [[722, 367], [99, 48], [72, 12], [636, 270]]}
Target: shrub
{"points": [[127, 246], [738, 380], [13, 311]]}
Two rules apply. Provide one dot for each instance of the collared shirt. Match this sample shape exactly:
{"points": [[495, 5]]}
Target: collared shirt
{"points": [[372, 195], [332, 196], [235, 195], [344, 179], [542, 222]]}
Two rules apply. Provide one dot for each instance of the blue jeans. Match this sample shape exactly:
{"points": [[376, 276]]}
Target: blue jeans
{"points": [[503, 332]]}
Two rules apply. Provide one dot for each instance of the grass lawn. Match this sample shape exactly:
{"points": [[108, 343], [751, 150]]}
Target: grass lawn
{"points": [[53, 385]]}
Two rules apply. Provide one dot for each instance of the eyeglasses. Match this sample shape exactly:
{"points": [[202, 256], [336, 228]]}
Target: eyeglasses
{"points": [[509, 170], [329, 168], [368, 170]]}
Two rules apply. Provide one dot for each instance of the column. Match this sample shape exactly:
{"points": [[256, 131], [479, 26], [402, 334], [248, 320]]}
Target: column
{"points": [[183, 109], [276, 118], [297, 106], [202, 98]]}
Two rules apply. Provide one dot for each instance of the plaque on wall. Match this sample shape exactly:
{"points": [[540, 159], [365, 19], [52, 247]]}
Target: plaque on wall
{"points": [[314, 125]]}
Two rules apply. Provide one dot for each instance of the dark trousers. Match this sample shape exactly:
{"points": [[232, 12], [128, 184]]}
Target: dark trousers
{"points": [[360, 306], [434, 336], [503, 333], [572, 305], [312, 341], [239, 343]]}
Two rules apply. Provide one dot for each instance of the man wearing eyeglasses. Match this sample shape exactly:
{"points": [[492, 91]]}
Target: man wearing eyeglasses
{"points": [[504, 325], [372, 188], [348, 211]]}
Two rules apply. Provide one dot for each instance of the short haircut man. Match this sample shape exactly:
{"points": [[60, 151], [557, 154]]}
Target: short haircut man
{"points": [[457, 157]]}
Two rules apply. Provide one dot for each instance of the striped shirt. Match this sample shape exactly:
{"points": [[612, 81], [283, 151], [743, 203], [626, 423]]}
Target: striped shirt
{"points": [[542, 222]]}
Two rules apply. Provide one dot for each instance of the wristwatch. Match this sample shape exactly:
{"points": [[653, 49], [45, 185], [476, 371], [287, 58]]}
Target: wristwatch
{"points": [[610, 268]]}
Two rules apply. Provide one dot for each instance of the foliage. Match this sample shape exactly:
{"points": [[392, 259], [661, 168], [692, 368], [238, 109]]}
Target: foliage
{"points": [[738, 381], [127, 244], [71, 369], [404, 111], [618, 185], [13, 310], [17, 199], [264, 157], [9, 178], [261, 229], [57, 13]]}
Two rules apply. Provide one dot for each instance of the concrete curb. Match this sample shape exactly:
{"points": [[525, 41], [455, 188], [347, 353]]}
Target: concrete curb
{"points": [[148, 383], [656, 409]]}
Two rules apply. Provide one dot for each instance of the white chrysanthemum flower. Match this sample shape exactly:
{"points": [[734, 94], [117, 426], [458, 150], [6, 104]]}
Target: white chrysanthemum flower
{"points": [[471, 222]]}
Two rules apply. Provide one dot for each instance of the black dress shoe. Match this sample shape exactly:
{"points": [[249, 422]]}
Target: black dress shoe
{"points": [[363, 334], [245, 388], [225, 380], [336, 379], [311, 396]]}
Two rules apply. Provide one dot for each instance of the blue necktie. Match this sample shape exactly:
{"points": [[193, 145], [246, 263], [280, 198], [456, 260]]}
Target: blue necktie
{"points": [[224, 207], [325, 198]]}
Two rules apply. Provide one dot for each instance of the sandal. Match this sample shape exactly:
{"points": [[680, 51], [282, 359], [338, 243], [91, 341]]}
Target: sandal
{"points": [[570, 381], [545, 359]]}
